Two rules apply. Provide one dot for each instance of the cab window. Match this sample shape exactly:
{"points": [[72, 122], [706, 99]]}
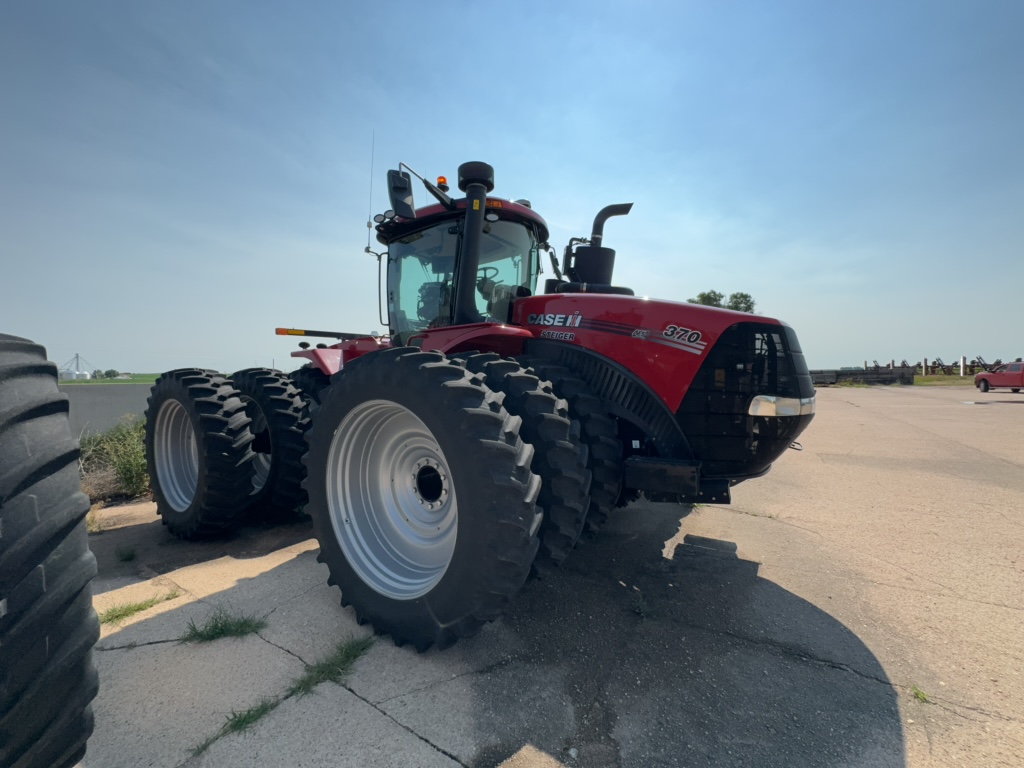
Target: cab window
{"points": [[509, 256], [421, 268]]}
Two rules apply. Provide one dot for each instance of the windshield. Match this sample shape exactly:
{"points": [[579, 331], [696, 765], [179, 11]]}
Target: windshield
{"points": [[421, 273]]}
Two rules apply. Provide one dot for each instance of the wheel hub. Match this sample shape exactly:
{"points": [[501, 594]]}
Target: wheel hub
{"points": [[430, 484], [391, 500]]}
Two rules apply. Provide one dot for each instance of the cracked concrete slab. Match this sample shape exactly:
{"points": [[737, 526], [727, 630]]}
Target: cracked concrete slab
{"points": [[489, 715], [156, 702], [330, 728], [862, 605]]}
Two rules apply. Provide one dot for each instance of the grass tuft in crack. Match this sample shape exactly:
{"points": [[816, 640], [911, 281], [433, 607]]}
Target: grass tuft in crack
{"points": [[223, 624], [332, 668], [118, 613], [919, 694], [240, 721]]}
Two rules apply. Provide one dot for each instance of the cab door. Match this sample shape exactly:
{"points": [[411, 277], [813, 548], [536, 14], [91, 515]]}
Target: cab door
{"points": [[1015, 375]]}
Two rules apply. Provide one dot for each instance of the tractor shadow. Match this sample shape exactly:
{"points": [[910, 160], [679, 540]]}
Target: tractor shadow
{"points": [[694, 660], [132, 544], [624, 657]]}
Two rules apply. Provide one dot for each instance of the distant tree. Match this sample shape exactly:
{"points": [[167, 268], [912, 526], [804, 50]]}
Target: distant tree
{"points": [[741, 302], [97, 374], [110, 373], [708, 299]]}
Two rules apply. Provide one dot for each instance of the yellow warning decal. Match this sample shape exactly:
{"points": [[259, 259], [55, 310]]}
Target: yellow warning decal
{"points": [[476, 205]]}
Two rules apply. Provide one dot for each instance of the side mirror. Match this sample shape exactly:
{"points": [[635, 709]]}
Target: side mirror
{"points": [[400, 193]]}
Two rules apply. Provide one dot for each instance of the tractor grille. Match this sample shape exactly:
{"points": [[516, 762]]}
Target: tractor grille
{"points": [[749, 359]]}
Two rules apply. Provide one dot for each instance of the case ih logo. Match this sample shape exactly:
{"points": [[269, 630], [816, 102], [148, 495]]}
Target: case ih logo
{"points": [[556, 321]]}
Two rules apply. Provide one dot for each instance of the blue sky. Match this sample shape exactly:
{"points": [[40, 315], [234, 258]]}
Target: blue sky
{"points": [[178, 178]]}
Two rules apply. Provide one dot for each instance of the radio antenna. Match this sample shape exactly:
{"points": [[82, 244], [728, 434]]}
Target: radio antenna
{"points": [[369, 212]]}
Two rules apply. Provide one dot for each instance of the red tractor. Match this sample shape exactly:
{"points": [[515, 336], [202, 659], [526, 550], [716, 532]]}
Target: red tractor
{"points": [[476, 442]]}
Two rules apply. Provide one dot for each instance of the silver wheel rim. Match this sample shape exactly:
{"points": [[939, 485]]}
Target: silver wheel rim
{"points": [[176, 455], [261, 462], [391, 500]]}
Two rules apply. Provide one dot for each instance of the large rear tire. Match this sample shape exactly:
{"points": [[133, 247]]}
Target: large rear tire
{"points": [[47, 623], [599, 434], [421, 496], [198, 452], [559, 459], [278, 427]]}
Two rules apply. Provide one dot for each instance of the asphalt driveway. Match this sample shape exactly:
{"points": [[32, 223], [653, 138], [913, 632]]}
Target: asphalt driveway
{"points": [[859, 606]]}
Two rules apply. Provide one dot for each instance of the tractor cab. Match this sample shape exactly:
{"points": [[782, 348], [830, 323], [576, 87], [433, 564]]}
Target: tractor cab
{"points": [[423, 269], [458, 262]]}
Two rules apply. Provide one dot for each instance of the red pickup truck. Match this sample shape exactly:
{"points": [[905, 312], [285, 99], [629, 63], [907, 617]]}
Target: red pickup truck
{"points": [[1009, 376]]}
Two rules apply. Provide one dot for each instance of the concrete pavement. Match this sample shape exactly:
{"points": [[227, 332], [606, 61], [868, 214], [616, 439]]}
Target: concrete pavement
{"points": [[859, 606]]}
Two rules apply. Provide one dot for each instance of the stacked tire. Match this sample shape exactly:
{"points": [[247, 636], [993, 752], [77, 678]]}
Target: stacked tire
{"points": [[222, 449], [278, 422], [47, 623]]}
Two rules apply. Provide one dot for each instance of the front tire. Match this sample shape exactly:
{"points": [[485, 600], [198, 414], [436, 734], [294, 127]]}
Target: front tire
{"points": [[560, 459], [47, 623], [198, 452], [984, 385], [421, 496], [599, 434]]}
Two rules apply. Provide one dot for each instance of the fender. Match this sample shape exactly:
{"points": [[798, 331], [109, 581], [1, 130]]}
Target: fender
{"points": [[506, 340], [332, 359]]}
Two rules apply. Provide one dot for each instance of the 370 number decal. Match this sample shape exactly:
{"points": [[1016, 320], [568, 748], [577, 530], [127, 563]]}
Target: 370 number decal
{"points": [[678, 333]]}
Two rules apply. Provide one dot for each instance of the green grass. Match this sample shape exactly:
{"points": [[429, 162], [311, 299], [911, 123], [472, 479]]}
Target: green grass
{"points": [[222, 624], [113, 463], [332, 669], [135, 378], [919, 694], [118, 613], [948, 381], [240, 721]]}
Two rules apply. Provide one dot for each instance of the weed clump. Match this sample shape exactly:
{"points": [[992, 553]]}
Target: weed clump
{"points": [[113, 463], [222, 624]]}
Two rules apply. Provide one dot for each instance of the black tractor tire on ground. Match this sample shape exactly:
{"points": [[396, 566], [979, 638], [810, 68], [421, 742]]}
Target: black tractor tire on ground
{"points": [[559, 459], [47, 623], [984, 385], [200, 491], [310, 381], [421, 496], [277, 411], [599, 434]]}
